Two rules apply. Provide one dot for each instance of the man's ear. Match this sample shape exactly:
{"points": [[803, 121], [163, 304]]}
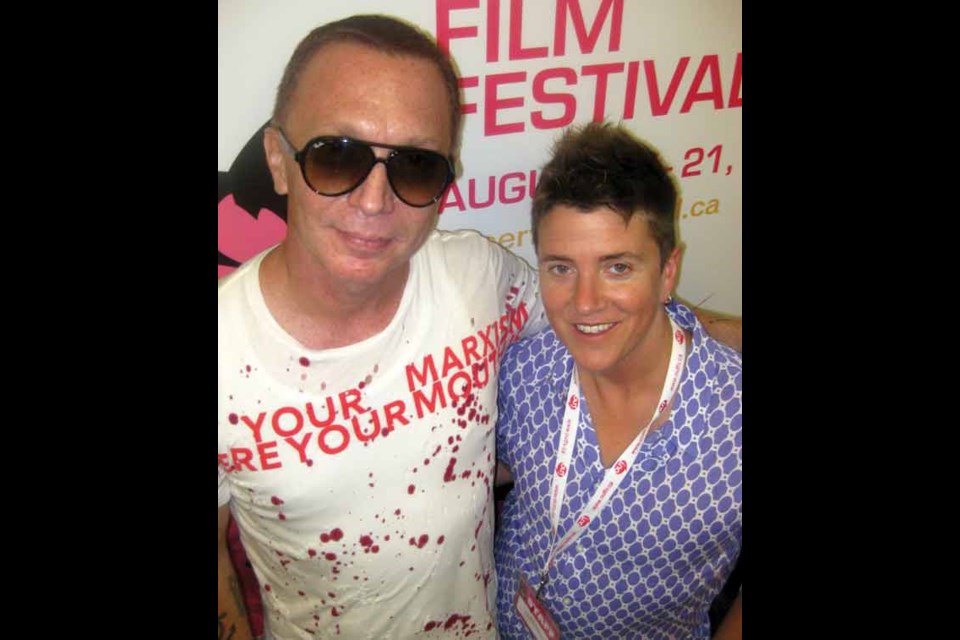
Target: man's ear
{"points": [[273, 149]]}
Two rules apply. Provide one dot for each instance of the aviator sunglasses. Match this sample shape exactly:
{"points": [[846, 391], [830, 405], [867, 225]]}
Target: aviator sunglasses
{"points": [[335, 165]]}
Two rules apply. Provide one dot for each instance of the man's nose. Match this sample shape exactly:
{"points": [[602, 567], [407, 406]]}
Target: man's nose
{"points": [[374, 196]]}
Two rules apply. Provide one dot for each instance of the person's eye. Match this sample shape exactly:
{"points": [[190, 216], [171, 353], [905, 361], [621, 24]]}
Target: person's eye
{"points": [[558, 269], [620, 268]]}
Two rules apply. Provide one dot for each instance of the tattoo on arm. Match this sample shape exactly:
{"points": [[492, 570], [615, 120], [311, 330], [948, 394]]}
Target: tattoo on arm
{"points": [[224, 633]]}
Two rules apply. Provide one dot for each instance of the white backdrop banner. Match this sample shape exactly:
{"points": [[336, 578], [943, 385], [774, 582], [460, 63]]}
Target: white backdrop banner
{"points": [[670, 70]]}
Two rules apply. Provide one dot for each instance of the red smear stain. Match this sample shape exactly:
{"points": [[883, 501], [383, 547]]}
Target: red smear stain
{"points": [[331, 595], [248, 368], [276, 500], [450, 440], [465, 474], [282, 517], [301, 593], [426, 461], [330, 556], [476, 532], [324, 537], [361, 384], [366, 541], [456, 448], [459, 439], [279, 553], [411, 489], [304, 362], [336, 534], [414, 469], [411, 568], [440, 540], [436, 451], [387, 537], [430, 625], [448, 475], [233, 418], [374, 549], [473, 548], [462, 424], [472, 415], [284, 563], [370, 484], [309, 463], [311, 553], [486, 579], [397, 512], [316, 617], [335, 570], [419, 543], [334, 612], [323, 385], [462, 563], [267, 587]]}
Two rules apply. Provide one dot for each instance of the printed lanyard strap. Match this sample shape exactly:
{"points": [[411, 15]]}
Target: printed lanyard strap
{"points": [[615, 474]]}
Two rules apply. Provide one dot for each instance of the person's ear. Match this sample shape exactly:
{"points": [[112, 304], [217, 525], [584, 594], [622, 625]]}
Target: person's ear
{"points": [[669, 274], [273, 148]]}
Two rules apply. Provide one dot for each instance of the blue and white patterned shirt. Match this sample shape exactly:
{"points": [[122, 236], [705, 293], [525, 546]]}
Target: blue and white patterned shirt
{"points": [[651, 563]]}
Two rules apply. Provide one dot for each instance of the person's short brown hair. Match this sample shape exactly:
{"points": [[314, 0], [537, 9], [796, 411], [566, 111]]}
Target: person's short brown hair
{"points": [[383, 33], [603, 165]]}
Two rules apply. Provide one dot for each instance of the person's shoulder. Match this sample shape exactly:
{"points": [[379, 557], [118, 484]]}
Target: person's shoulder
{"points": [[536, 360], [230, 284], [468, 246]]}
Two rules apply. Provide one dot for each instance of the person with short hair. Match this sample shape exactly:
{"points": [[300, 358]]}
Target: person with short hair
{"points": [[621, 422], [357, 359]]}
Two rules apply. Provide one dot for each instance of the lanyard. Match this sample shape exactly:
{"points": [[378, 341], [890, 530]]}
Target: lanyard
{"points": [[615, 474]]}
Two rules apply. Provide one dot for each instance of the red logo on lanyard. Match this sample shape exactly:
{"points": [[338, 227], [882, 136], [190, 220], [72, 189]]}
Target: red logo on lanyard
{"points": [[574, 401], [583, 521], [620, 467], [679, 336], [561, 470]]}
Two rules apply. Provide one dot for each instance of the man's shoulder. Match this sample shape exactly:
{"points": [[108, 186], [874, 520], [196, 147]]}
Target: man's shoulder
{"points": [[464, 246], [230, 284]]}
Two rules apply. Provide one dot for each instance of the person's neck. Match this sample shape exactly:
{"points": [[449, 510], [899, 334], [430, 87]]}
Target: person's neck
{"points": [[322, 313]]}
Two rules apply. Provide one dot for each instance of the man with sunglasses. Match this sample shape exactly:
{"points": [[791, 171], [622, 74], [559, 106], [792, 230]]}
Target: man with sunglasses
{"points": [[358, 358]]}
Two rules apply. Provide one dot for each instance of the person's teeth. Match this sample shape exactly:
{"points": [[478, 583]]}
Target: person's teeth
{"points": [[594, 328]]}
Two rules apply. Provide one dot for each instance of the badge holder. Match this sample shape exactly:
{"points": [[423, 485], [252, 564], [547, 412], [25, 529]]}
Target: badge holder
{"points": [[533, 614]]}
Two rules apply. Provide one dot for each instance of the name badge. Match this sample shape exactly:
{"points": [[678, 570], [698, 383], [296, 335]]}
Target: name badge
{"points": [[534, 615]]}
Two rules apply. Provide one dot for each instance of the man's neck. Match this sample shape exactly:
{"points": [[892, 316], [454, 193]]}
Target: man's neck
{"points": [[323, 314]]}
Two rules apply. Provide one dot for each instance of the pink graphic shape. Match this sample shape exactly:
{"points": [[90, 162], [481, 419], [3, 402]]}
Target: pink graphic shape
{"points": [[241, 236]]}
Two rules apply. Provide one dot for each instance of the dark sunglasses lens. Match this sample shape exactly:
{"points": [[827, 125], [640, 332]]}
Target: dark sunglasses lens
{"points": [[418, 177], [336, 167]]}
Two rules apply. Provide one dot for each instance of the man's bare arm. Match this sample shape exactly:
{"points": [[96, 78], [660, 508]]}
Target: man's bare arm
{"points": [[722, 327], [232, 619], [732, 626]]}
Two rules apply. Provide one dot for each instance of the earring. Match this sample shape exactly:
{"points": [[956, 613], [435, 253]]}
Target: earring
{"points": [[668, 300]]}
